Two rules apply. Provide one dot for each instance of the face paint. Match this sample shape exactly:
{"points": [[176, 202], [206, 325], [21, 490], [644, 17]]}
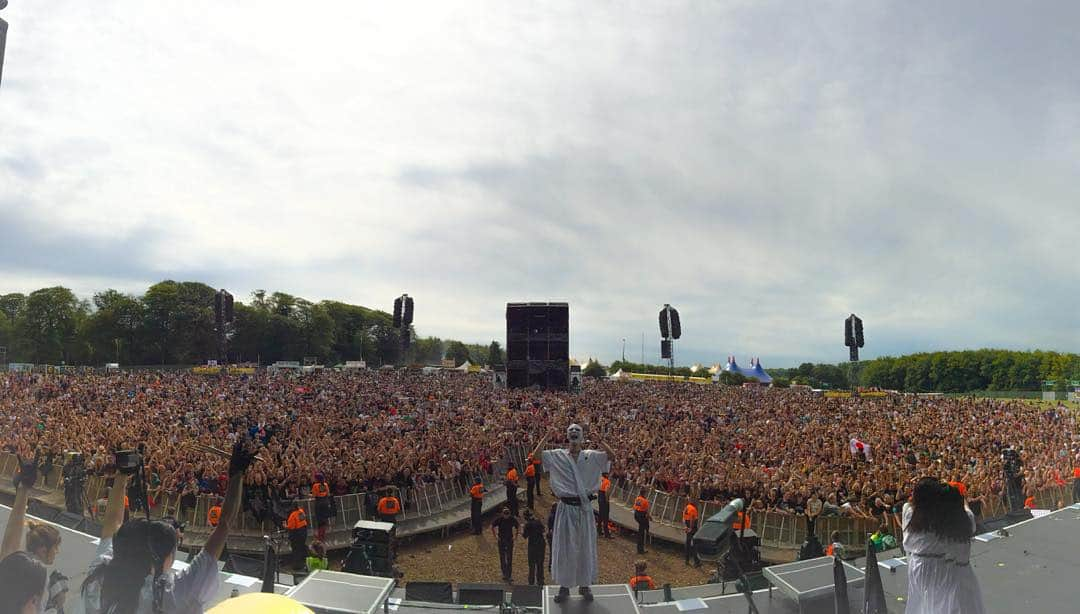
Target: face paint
{"points": [[574, 433]]}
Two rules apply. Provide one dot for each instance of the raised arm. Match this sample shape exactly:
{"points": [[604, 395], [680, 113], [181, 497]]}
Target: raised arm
{"points": [[24, 481], [610, 453], [539, 447], [241, 459], [114, 509]]}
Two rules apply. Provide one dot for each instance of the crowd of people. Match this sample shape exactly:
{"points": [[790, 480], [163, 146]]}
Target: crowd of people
{"points": [[786, 450]]}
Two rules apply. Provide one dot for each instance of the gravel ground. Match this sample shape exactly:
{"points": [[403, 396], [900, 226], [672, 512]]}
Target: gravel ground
{"points": [[464, 557]]}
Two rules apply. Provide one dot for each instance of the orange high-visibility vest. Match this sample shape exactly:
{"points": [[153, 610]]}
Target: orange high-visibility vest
{"points": [[477, 491], [959, 486], [512, 475], [389, 506], [213, 515], [605, 484], [690, 514], [320, 490], [649, 585], [1076, 472], [641, 504], [297, 520], [530, 471], [740, 520], [1029, 503]]}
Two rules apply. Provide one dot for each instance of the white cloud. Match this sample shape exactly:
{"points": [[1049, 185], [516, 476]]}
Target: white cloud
{"points": [[765, 168]]}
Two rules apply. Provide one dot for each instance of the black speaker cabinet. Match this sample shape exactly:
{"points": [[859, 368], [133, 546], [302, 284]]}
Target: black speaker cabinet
{"points": [[538, 345], [431, 592], [480, 594]]}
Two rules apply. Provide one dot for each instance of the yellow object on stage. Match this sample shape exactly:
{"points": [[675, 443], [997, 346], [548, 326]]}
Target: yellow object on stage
{"points": [[264, 603]]}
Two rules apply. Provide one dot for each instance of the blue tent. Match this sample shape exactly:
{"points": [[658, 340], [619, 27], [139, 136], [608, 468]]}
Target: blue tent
{"points": [[754, 370]]}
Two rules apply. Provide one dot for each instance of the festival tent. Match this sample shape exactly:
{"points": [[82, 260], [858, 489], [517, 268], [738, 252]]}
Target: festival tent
{"points": [[754, 370]]}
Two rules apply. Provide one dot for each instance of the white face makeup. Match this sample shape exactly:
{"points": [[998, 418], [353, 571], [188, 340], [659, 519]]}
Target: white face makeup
{"points": [[574, 433]]}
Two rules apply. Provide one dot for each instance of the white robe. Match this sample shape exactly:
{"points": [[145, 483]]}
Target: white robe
{"points": [[573, 545], [942, 585]]}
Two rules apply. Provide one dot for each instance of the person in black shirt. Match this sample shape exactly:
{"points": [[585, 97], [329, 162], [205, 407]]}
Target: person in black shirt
{"points": [[551, 524], [534, 533], [505, 528]]}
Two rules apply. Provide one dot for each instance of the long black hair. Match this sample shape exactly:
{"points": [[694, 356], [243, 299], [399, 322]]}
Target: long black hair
{"points": [[21, 579], [139, 548], [938, 508]]}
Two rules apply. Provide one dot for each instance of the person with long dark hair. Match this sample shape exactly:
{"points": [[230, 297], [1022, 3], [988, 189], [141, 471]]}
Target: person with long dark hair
{"points": [[938, 527], [132, 572]]}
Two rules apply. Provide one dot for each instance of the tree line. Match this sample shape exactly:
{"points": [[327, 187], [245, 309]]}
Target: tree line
{"points": [[173, 323]]}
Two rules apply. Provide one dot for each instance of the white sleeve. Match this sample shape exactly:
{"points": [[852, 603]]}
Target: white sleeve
{"points": [[92, 594], [906, 516], [546, 455], [200, 581]]}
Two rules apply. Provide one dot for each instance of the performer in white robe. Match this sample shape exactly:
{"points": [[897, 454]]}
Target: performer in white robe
{"points": [[574, 476]]}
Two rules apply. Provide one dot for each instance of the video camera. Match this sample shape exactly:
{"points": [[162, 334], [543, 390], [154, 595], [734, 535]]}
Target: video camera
{"points": [[127, 461]]}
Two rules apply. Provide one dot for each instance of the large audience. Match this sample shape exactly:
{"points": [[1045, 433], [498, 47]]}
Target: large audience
{"points": [[779, 448]]}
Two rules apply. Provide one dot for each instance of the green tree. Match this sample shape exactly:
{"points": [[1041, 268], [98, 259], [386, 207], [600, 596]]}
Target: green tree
{"points": [[48, 324], [731, 378], [594, 369], [494, 354], [458, 352]]}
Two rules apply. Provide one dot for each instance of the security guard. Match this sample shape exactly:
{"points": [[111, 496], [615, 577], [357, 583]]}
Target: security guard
{"points": [[691, 519], [297, 526], [538, 472], [476, 498], [511, 490], [389, 506], [605, 505], [320, 491], [213, 515], [641, 515], [530, 481]]}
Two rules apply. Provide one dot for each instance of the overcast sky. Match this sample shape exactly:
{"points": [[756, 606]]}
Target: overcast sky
{"points": [[765, 167]]}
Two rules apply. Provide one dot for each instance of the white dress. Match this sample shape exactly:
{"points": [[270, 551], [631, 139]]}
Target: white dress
{"points": [[573, 540], [940, 577]]}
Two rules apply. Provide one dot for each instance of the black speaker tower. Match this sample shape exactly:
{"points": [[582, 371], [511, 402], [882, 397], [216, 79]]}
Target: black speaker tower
{"points": [[538, 345]]}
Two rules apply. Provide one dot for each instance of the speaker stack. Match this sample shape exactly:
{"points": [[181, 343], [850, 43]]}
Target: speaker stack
{"points": [[373, 549], [538, 345]]}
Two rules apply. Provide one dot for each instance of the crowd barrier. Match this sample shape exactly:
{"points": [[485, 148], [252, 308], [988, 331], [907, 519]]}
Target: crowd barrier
{"points": [[777, 530], [786, 531], [422, 501]]}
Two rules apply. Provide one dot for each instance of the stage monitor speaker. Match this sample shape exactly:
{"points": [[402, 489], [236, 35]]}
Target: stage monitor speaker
{"points": [[90, 527], [480, 594], [69, 520], [527, 596], [244, 565], [361, 561], [431, 592]]}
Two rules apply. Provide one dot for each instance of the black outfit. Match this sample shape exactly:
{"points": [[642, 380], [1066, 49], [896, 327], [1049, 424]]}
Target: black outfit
{"points": [[690, 552], [511, 497], [507, 529], [530, 484], [1076, 490], [642, 519], [298, 547], [475, 510], [534, 532], [605, 513], [551, 527]]}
